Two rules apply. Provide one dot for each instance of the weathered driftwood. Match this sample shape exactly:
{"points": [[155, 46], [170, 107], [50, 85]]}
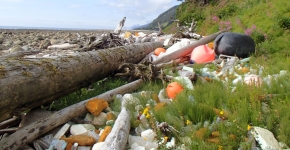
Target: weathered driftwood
{"points": [[30, 82], [118, 137], [186, 50], [63, 46], [30, 132], [9, 122], [120, 26], [20, 54], [8, 130]]}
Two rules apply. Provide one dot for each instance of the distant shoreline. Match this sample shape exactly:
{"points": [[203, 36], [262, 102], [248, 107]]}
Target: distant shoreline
{"points": [[46, 28], [60, 29]]}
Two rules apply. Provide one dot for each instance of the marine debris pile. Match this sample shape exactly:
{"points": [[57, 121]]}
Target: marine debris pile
{"points": [[180, 114]]}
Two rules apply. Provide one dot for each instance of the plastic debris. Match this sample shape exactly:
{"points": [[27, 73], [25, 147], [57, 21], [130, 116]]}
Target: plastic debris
{"points": [[78, 129], [96, 106]]}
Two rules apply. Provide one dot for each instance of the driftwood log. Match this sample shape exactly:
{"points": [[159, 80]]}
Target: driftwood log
{"points": [[28, 133], [30, 82], [186, 50]]}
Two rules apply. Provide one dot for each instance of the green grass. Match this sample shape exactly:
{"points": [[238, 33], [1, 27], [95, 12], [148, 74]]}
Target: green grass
{"points": [[264, 106], [97, 88]]}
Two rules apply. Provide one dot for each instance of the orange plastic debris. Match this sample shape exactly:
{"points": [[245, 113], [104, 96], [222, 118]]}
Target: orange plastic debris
{"points": [[173, 89], [157, 51], [83, 140], [96, 106], [68, 146], [105, 133], [202, 54]]}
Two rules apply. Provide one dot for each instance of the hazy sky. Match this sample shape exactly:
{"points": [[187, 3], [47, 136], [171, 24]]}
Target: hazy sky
{"points": [[89, 14]]}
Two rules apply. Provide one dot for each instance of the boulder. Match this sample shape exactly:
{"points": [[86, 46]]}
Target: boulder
{"points": [[234, 44]]}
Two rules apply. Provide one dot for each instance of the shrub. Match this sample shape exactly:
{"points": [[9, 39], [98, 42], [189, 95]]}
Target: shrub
{"points": [[227, 11], [284, 22]]}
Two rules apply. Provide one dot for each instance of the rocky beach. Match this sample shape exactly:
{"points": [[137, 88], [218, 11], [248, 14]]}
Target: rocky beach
{"points": [[42, 62], [19, 40]]}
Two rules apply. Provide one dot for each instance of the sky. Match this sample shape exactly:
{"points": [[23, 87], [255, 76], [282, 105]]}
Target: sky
{"points": [[83, 14]]}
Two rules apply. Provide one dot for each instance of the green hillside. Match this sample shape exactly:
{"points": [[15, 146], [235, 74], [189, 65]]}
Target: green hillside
{"points": [[164, 19], [267, 21]]}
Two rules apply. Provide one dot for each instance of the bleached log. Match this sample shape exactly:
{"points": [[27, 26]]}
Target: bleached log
{"points": [[43, 125], [63, 46], [118, 137], [120, 26], [186, 50], [192, 25]]}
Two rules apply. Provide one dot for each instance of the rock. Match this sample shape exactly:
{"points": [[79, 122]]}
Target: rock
{"points": [[16, 48], [3, 47], [148, 135], [100, 119], [44, 44], [81, 128], [54, 41], [139, 142], [18, 42], [265, 138], [89, 117], [1, 39], [234, 44], [96, 106], [25, 47], [8, 43]]}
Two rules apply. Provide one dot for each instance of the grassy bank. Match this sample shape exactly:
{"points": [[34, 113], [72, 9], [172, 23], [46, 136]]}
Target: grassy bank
{"points": [[267, 21]]}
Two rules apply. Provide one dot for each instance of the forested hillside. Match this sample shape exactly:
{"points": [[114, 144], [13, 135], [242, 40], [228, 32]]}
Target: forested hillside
{"points": [[165, 19]]}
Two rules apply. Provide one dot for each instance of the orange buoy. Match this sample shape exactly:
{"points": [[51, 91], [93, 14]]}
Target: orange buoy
{"points": [[202, 54], [158, 50], [173, 89]]}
